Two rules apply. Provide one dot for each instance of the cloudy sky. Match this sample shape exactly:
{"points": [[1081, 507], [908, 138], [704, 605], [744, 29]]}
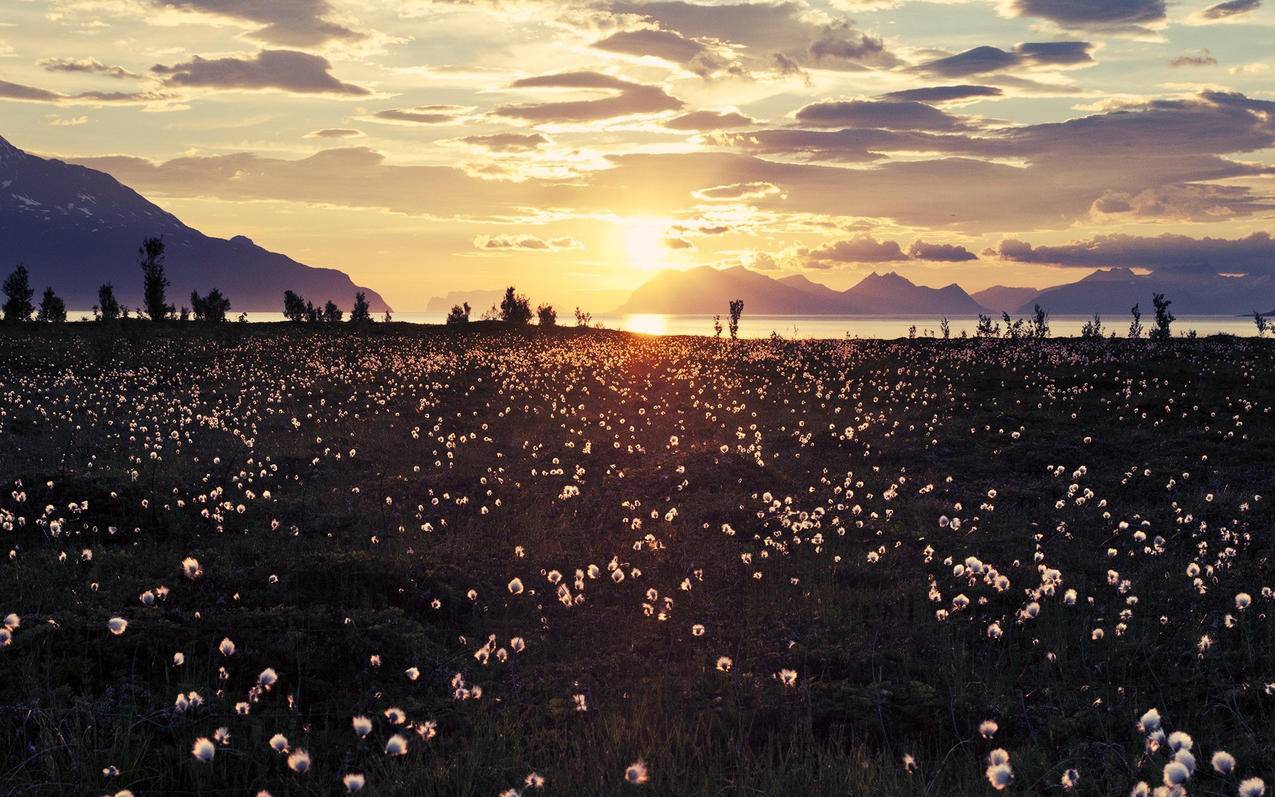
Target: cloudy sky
{"points": [[573, 148]]}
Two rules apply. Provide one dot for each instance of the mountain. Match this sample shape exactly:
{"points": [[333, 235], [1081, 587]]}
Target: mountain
{"points": [[76, 228], [479, 301], [1196, 290], [707, 290], [1001, 298]]}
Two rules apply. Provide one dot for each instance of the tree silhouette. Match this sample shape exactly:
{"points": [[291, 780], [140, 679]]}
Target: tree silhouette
{"points": [[515, 308], [331, 313], [1135, 326], [154, 280], [459, 314], [546, 316], [18, 293], [1163, 318], [362, 313], [211, 308], [108, 307], [52, 308], [293, 307], [736, 311]]}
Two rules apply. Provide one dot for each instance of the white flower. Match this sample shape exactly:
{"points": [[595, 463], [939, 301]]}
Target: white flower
{"points": [[397, 745], [362, 725], [279, 743], [987, 728], [1252, 787], [1223, 762], [203, 749], [117, 625], [299, 762], [354, 781], [636, 773]]}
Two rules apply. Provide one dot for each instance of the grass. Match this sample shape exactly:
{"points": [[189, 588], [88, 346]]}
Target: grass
{"points": [[412, 473]]}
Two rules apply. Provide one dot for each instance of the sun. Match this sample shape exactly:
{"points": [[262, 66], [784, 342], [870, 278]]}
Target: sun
{"points": [[644, 242]]}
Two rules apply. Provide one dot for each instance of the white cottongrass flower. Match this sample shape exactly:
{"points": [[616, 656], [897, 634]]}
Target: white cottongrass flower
{"points": [[1175, 774], [396, 745], [299, 762], [1071, 779], [988, 728], [1000, 776], [1150, 721], [354, 781], [1223, 762], [268, 677], [191, 568], [279, 743], [203, 749], [636, 773], [117, 625], [1252, 787], [362, 725], [515, 587], [1179, 740], [1243, 600], [226, 647], [787, 677]]}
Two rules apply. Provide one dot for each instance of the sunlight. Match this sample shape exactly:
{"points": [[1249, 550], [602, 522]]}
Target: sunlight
{"points": [[644, 242], [646, 323]]}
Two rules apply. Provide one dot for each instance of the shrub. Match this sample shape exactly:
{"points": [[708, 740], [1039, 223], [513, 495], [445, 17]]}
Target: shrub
{"points": [[736, 311], [108, 307], [546, 316], [459, 314], [515, 308], [294, 307], [18, 293], [1163, 318], [52, 308]]}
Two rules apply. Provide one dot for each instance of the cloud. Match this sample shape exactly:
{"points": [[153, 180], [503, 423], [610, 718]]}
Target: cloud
{"points": [[1229, 10], [293, 23], [286, 70], [673, 242], [948, 253], [336, 132], [789, 29], [1114, 16], [86, 65], [17, 91], [709, 120], [669, 46], [525, 243], [1185, 202], [1254, 254], [940, 94], [422, 115], [860, 249], [985, 59], [508, 142], [737, 191], [902, 115], [1204, 58], [626, 99]]}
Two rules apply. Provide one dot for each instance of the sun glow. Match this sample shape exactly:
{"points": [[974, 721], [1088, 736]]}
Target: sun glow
{"points": [[646, 324], [644, 242]]}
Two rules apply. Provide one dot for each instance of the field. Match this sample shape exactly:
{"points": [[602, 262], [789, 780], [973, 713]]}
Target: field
{"points": [[305, 559]]}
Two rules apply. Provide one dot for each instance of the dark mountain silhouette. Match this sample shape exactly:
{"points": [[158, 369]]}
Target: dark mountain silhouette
{"points": [[76, 228], [1001, 298], [1196, 290], [707, 290]]}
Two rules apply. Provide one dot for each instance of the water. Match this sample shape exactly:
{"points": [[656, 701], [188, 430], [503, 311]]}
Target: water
{"points": [[839, 326]]}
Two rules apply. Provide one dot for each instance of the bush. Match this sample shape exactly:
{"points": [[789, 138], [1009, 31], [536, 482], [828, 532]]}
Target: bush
{"points": [[459, 314], [18, 293], [211, 308], [546, 316], [108, 307], [515, 308], [52, 308]]}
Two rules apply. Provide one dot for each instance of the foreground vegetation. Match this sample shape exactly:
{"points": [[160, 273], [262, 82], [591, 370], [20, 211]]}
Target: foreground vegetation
{"points": [[311, 558]]}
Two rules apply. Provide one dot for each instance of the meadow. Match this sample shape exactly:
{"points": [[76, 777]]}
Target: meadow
{"points": [[312, 559]]}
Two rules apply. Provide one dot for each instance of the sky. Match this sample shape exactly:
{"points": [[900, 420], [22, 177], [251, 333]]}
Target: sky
{"points": [[575, 148]]}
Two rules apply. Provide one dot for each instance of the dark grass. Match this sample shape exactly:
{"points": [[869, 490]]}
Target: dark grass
{"points": [[879, 677]]}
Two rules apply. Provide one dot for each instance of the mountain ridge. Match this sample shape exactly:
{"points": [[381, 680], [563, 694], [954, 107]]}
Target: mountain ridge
{"points": [[75, 228]]}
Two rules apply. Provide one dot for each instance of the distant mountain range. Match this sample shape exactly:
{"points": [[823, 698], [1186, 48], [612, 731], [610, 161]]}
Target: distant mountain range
{"points": [[705, 290], [479, 301], [75, 228]]}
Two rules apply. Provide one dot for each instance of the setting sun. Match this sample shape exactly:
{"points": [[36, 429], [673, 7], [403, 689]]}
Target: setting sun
{"points": [[644, 242]]}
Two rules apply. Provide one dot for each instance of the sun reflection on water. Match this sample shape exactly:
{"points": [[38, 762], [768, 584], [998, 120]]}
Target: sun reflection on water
{"points": [[646, 323]]}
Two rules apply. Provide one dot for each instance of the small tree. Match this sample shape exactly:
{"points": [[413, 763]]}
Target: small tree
{"points": [[985, 328], [362, 312], [1163, 318], [515, 308], [52, 308], [490, 314], [736, 311], [294, 308], [946, 328], [583, 319], [459, 314], [108, 307], [1135, 326], [18, 294], [546, 316], [211, 308], [717, 327], [1262, 324], [1092, 330], [150, 256], [1040, 323], [331, 313]]}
